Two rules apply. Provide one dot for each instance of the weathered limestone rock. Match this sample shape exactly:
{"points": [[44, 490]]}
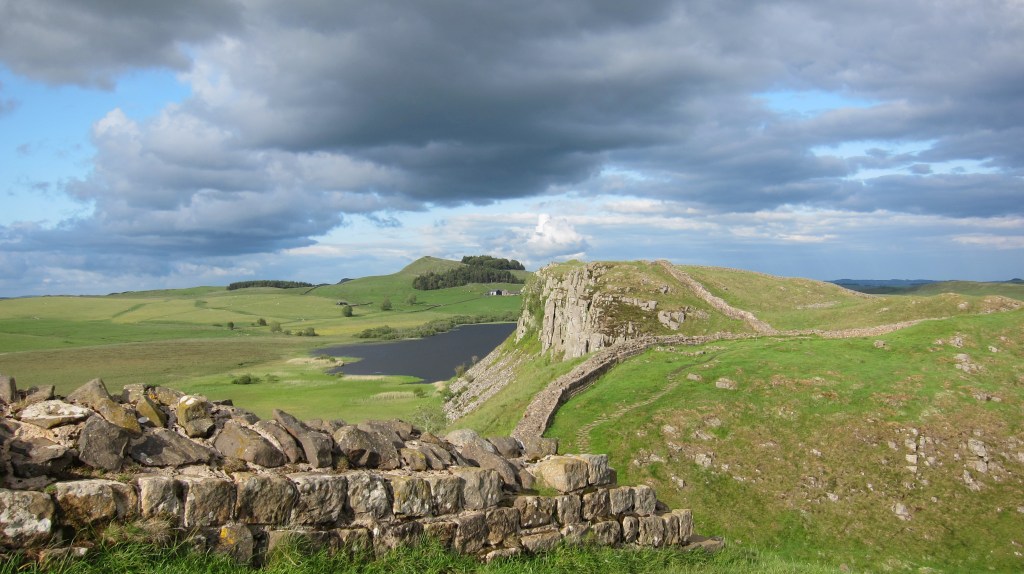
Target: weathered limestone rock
{"points": [[8, 389], [26, 517], [354, 539], [481, 488], [165, 396], [413, 459], [38, 456], [652, 531], [161, 497], [402, 430], [575, 533], [598, 471], [366, 450], [50, 414], [471, 532], [90, 394], [541, 540], [368, 496], [535, 511], [563, 473], [102, 444], [620, 500], [489, 459], [506, 446], [442, 531], [133, 393], [241, 442], [446, 492], [436, 456], [321, 498], [208, 501], [390, 536], [502, 524], [630, 529], [264, 499], [685, 524], [644, 500], [163, 447], [569, 509], [236, 541], [276, 539], [194, 416], [596, 504], [149, 409], [38, 395], [502, 553], [671, 528], [463, 438], [607, 533], [86, 503], [412, 496]]}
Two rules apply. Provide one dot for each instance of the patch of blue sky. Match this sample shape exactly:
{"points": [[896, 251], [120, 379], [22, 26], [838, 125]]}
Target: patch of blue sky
{"points": [[45, 139], [809, 103]]}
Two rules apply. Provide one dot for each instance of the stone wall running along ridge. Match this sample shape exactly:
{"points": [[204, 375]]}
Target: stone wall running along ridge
{"points": [[218, 476]]}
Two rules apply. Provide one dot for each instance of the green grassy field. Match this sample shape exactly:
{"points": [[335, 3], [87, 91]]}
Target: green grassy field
{"points": [[809, 454], [199, 339]]}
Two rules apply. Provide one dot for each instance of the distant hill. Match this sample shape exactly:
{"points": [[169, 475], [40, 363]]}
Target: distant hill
{"points": [[1013, 288]]}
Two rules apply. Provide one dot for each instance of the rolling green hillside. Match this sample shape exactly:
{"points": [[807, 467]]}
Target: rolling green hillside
{"points": [[874, 447], [183, 338]]}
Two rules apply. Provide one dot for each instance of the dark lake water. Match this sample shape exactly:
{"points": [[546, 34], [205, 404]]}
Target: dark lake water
{"points": [[431, 358]]}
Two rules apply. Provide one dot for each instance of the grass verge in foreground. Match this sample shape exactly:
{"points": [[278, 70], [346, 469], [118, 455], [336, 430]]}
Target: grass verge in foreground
{"points": [[428, 557]]}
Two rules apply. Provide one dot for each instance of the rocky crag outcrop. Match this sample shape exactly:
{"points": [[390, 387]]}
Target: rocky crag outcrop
{"points": [[218, 476]]}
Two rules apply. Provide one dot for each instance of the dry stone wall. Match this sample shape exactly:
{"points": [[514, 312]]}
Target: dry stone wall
{"points": [[220, 477]]}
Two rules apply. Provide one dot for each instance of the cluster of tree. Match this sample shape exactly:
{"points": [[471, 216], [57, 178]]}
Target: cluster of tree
{"points": [[434, 327], [463, 276], [268, 283], [493, 262]]}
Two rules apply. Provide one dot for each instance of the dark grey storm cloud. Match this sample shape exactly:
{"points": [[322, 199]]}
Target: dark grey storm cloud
{"points": [[91, 42], [305, 113]]}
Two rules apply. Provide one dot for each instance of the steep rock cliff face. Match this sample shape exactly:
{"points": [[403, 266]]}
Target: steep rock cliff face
{"points": [[579, 314]]}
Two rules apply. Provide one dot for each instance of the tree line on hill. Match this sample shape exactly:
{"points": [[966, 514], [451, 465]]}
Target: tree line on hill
{"points": [[493, 262], [268, 283], [465, 275]]}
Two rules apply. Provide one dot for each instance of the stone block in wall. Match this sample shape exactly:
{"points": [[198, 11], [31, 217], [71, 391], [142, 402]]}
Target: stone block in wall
{"points": [[481, 488], [165, 396], [26, 518], [540, 539], [446, 491], [575, 533], [596, 504], [538, 448], [652, 531], [411, 495], [208, 501], [95, 502], [502, 524], [369, 496], [194, 416], [90, 394], [321, 498], [671, 529], [644, 501], [236, 440], [235, 540], [281, 439], [280, 539], [630, 529], [37, 456], [94, 395], [8, 389], [685, 524], [506, 446], [161, 497], [413, 459], [353, 540], [620, 500], [366, 449], [264, 499], [535, 511], [133, 393], [164, 447], [443, 531], [102, 444], [401, 430], [153, 413], [470, 533], [394, 535], [569, 509], [598, 471], [493, 461], [436, 456], [38, 394], [607, 533], [317, 447], [501, 553], [54, 413], [562, 473]]}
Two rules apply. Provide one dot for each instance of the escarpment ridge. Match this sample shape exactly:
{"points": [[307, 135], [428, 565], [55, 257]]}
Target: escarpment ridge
{"points": [[217, 475]]}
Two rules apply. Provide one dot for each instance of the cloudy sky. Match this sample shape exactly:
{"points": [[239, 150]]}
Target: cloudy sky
{"points": [[171, 144]]}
